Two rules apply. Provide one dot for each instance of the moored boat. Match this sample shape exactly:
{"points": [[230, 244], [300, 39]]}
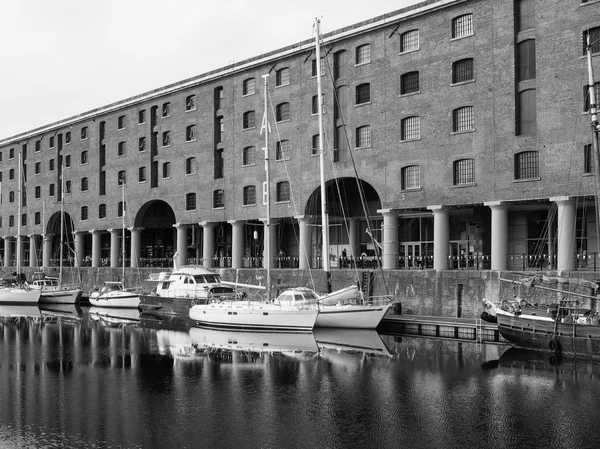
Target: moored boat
{"points": [[114, 294], [53, 292]]}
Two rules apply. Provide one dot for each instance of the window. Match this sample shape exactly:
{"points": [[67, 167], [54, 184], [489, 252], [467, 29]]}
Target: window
{"points": [[464, 172], [67, 160], [283, 191], [282, 77], [37, 220], [121, 178], [409, 83], [315, 104], [51, 144], [314, 67], [340, 64], [190, 103], [363, 136], [11, 221], [586, 96], [11, 196], [38, 191], [463, 119], [249, 196], [11, 173], [282, 150], [24, 220], [84, 184], [218, 198], [84, 212], [363, 54], [84, 133], [142, 144], [594, 35], [363, 93], [588, 158], [121, 122], [462, 26], [526, 113], [190, 201], [219, 96], [526, 60], [249, 156], [51, 164], [141, 116], [38, 146], [410, 128], [219, 163], [51, 190], [121, 149], [219, 129], [462, 71], [68, 137], [410, 177], [190, 133], [166, 170], [282, 112], [101, 211], [315, 145], [409, 41], [84, 157], [166, 109], [142, 174], [102, 182], [248, 121], [38, 168], [190, 166], [166, 138], [525, 15], [121, 208], [249, 87], [68, 186], [527, 165]]}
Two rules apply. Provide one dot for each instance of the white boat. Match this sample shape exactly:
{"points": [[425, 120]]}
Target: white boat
{"points": [[176, 291], [267, 315], [19, 292], [342, 296], [53, 292], [114, 293]]}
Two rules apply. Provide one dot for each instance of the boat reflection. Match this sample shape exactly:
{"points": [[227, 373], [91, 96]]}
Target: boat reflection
{"points": [[12, 312], [114, 317], [61, 312]]}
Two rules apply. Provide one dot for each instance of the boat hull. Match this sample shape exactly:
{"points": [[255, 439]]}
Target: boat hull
{"points": [[9, 295], [351, 316], [60, 296], [533, 332], [126, 301], [253, 315]]}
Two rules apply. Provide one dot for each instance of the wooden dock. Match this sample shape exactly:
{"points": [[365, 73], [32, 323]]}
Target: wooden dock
{"points": [[471, 329]]}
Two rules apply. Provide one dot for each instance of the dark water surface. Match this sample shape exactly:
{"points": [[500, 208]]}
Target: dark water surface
{"points": [[71, 378]]}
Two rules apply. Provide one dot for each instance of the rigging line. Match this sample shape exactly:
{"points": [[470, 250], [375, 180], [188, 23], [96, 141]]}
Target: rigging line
{"points": [[360, 189]]}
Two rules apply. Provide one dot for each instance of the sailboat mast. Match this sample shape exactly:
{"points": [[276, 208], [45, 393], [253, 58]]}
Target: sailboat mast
{"points": [[594, 118], [266, 192], [324, 212], [123, 234], [62, 221], [19, 207]]}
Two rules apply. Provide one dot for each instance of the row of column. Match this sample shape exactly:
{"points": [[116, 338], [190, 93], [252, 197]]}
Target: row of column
{"points": [[441, 235]]}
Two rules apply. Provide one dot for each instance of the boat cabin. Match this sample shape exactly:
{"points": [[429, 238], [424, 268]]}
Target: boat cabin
{"points": [[297, 297]]}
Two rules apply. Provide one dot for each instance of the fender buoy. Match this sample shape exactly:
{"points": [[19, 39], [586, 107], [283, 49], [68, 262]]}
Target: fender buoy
{"points": [[554, 345]]}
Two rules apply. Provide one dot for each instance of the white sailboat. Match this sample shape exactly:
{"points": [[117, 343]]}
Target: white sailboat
{"points": [[114, 293], [265, 315], [19, 292], [53, 290], [336, 310]]}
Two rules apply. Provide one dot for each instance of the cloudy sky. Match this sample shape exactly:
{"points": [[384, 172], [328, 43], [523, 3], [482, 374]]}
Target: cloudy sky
{"points": [[63, 57]]}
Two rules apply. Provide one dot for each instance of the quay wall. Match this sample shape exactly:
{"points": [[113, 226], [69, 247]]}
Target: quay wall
{"points": [[452, 293]]}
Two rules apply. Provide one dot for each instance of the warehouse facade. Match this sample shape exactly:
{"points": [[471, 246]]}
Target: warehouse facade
{"points": [[464, 123]]}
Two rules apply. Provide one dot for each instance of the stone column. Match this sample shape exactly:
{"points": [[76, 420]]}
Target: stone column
{"points": [[47, 249], [96, 247], [115, 247], [78, 240], [499, 234], [304, 247], [208, 240], [136, 246], [441, 237], [237, 243], [33, 262], [8, 249], [181, 243], [390, 239], [566, 232]]}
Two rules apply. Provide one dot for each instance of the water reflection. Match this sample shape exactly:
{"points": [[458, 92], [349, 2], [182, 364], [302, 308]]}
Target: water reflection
{"points": [[89, 378]]}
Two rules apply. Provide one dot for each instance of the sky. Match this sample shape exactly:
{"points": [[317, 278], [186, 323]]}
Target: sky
{"points": [[60, 58]]}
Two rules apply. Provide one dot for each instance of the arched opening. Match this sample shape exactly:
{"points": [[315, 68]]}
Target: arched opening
{"points": [[158, 236], [68, 248]]}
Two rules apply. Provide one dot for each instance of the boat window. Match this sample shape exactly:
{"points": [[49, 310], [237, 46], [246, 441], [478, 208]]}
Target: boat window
{"points": [[298, 298]]}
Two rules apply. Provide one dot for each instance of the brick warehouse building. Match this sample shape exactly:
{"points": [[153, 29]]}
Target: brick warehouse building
{"points": [[466, 119]]}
